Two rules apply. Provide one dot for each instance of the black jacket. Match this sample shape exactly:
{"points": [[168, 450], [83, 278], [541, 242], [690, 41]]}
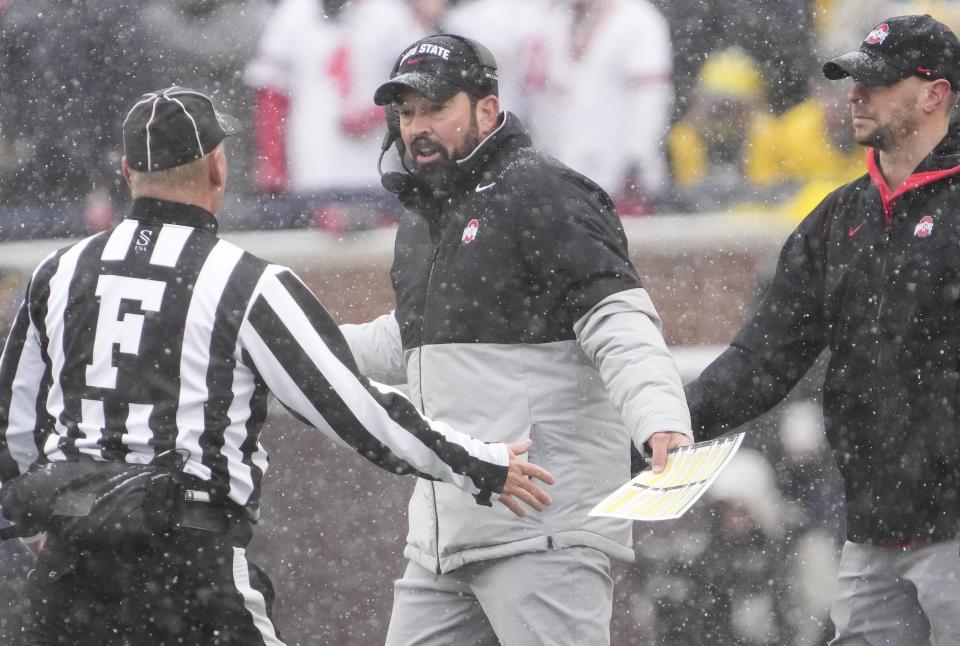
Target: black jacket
{"points": [[873, 275], [520, 316], [561, 226]]}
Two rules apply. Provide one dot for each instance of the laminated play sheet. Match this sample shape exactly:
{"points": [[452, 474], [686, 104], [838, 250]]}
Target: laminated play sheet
{"points": [[669, 494]]}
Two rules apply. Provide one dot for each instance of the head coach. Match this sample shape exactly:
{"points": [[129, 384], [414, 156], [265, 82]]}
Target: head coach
{"points": [[133, 389], [518, 315]]}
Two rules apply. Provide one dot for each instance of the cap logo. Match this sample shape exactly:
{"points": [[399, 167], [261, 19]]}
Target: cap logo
{"points": [[878, 35], [924, 227], [470, 231], [427, 49]]}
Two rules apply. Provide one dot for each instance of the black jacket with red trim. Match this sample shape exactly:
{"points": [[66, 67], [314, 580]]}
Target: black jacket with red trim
{"points": [[873, 274]]}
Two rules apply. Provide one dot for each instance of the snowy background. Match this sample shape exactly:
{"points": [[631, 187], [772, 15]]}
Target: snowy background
{"points": [[706, 121]]}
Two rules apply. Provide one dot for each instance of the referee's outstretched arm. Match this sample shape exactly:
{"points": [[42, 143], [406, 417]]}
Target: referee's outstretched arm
{"points": [[290, 342], [300, 353]]}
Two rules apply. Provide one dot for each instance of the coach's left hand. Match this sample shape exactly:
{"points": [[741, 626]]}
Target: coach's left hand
{"points": [[662, 442], [520, 485]]}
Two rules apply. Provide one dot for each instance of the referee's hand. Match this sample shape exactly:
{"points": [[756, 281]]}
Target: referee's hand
{"points": [[520, 486]]}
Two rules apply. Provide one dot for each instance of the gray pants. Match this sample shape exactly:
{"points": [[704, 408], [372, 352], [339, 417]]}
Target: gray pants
{"points": [[896, 597], [559, 597]]}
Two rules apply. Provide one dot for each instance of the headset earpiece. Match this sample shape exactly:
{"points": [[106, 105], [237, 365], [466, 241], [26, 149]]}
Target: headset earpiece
{"points": [[483, 73], [393, 128], [393, 181], [393, 120]]}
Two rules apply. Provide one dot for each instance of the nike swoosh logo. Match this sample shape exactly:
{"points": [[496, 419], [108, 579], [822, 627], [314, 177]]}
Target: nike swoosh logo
{"points": [[852, 232], [482, 188]]}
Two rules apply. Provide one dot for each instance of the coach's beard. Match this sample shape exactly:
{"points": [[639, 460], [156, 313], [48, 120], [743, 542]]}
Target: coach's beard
{"points": [[439, 173], [443, 172]]}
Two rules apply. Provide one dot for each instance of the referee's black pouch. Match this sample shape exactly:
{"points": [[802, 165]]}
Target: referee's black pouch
{"points": [[95, 504]]}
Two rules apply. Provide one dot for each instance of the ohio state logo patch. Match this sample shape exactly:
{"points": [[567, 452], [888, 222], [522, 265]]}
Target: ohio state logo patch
{"points": [[924, 227], [470, 231], [878, 35]]}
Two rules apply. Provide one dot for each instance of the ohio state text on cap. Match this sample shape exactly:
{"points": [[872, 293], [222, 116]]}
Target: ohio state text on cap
{"points": [[438, 67], [900, 47]]}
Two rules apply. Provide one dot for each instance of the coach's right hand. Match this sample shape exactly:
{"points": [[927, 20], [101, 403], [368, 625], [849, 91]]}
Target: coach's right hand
{"points": [[520, 485]]}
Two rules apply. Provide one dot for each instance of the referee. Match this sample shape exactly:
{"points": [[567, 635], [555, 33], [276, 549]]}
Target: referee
{"points": [[157, 338]]}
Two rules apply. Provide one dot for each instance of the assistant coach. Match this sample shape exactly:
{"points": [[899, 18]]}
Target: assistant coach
{"points": [[150, 350]]}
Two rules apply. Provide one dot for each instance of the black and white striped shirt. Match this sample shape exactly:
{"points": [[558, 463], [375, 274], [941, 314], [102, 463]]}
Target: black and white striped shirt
{"points": [[157, 335]]}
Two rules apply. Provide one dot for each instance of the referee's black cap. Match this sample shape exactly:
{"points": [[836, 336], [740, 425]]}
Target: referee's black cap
{"points": [[171, 127], [899, 47]]}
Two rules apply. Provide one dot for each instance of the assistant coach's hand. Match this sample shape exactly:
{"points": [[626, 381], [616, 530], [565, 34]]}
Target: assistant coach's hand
{"points": [[520, 485]]}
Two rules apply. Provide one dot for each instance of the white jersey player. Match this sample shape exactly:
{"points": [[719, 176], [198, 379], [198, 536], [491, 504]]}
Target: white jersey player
{"points": [[513, 30], [317, 123], [608, 98]]}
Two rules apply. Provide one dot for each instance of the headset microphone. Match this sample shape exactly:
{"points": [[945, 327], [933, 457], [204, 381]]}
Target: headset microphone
{"points": [[393, 181], [389, 137], [396, 183]]}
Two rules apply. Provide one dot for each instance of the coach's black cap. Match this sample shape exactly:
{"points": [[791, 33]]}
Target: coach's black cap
{"points": [[438, 67], [171, 127], [901, 47]]}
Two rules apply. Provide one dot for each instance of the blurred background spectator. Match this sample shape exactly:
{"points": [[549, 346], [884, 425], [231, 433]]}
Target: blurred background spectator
{"points": [[607, 96], [737, 599], [69, 70], [207, 44], [776, 33], [634, 93], [712, 147], [741, 568], [318, 132], [809, 151], [518, 44]]}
